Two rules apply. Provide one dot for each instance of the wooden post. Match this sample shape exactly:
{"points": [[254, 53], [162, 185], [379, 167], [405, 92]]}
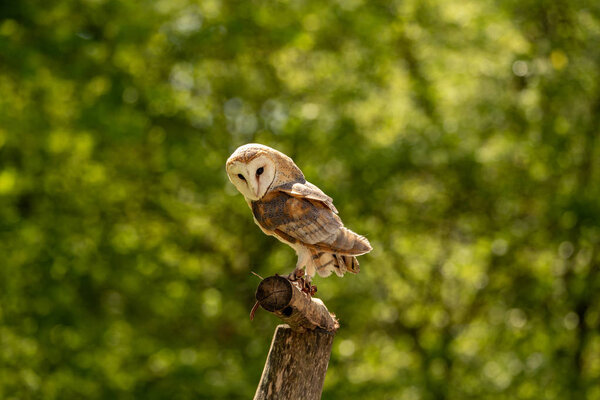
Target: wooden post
{"points": [[299, 353]]}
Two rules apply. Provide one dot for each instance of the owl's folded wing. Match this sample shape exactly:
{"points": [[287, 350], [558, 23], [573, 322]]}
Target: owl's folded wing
{"points": [[303, 220], [309, 222], [309, 191]]}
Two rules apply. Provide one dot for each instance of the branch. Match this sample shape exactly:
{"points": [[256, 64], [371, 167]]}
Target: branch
{"points": [[284, 298], [299, 354]]}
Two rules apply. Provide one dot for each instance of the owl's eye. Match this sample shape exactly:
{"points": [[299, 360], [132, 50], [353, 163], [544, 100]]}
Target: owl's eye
{"points": [[260, 171], [241, 177]]}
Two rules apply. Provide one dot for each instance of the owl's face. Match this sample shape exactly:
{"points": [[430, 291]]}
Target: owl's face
{"points": [[252, 178]]}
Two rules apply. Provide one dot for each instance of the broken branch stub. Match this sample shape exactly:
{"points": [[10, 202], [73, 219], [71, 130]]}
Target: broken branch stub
{"points": [[296, 365], [284, 298]]}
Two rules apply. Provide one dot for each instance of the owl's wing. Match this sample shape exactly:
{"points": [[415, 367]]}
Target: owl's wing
{"points": [[309, 191], [302, 219]]}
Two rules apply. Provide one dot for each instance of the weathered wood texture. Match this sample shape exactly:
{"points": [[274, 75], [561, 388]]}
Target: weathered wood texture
{"points": [[296, 365], [299, 354], [284, 298]]}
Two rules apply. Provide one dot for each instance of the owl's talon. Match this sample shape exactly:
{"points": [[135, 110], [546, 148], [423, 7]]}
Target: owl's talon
{"points": [[295, 275], [299, 278], [307, 287]]}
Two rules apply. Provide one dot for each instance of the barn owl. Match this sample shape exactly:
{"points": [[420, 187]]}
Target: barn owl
{"points": [[288, 207]]}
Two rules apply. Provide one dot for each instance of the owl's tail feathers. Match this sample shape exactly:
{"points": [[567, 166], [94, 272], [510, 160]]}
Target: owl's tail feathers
{"points": [[326, 263], [339, 255], [350, 243]]}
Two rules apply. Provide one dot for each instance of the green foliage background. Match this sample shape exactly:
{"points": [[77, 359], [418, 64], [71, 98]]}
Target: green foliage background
{"points": [[461, 136]]}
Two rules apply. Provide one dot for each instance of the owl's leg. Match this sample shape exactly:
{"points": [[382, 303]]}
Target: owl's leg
{"points": [[298, 273], [307, 286]]}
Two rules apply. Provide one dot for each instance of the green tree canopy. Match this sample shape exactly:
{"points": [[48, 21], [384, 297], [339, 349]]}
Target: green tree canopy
{"points": [[460, 136]]}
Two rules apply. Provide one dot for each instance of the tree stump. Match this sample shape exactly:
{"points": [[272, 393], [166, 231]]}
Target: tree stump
{"points": [[299, 353], [296, 365]]}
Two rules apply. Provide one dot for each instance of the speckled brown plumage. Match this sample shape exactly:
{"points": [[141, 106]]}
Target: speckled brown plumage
{"points": [[295, 211]]}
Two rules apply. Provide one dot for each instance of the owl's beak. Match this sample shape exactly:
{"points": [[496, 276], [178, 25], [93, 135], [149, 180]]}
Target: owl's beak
{"points": [[257, 187]]}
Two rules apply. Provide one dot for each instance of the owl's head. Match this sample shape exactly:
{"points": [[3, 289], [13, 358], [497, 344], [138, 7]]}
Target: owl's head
{"points": [[254, 168]]}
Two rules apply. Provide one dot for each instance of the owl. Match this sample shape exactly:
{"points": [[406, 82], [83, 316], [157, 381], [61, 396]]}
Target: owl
{"points": [[285, 205]]}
